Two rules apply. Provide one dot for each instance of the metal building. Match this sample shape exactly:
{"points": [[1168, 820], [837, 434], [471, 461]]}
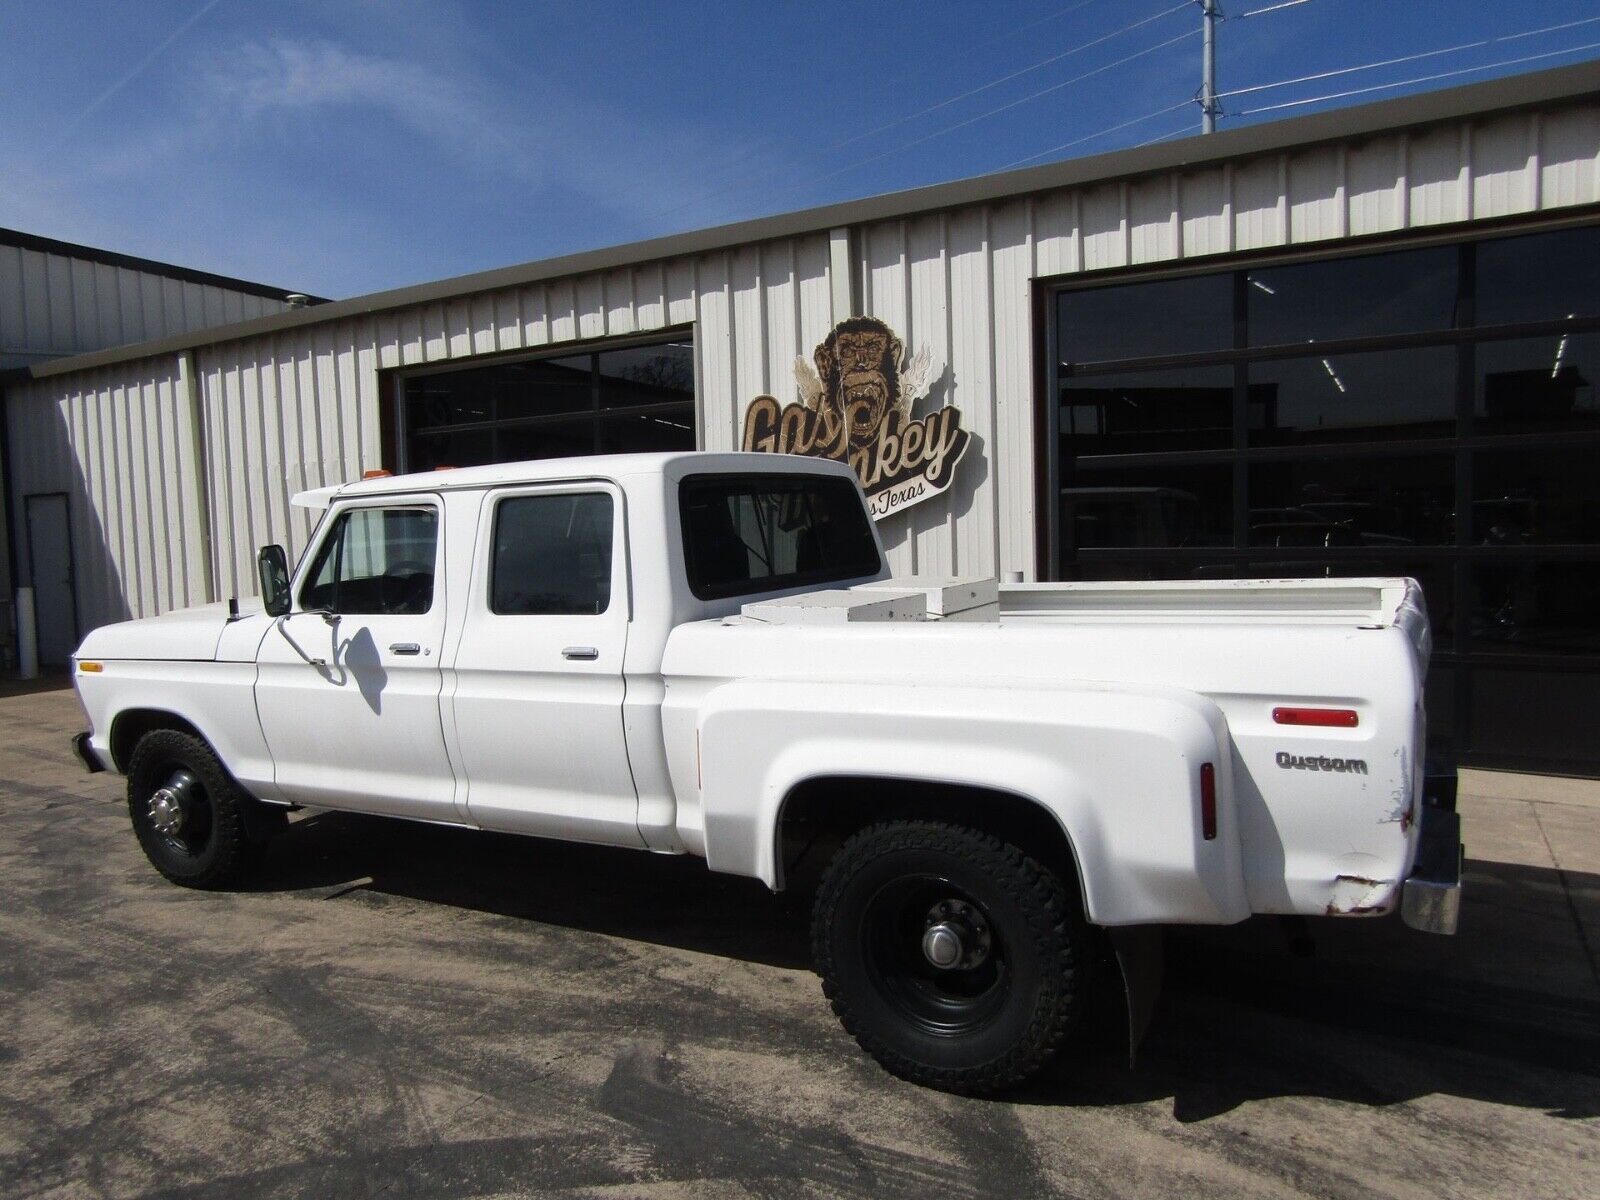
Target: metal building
{"points": [[58, 299], [1266, 350]]}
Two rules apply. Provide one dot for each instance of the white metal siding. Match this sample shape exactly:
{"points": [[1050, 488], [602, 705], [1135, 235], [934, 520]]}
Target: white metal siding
{"points": [[54, 304], [299, 409]]}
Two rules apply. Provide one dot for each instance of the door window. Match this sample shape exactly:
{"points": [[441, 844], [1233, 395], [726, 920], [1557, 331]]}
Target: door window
{"points": [[552, 555], [376, 561]]}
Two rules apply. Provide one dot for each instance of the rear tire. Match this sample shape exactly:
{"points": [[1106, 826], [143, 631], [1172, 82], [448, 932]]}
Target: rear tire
{"points": [[900, 897], [188, 813]]}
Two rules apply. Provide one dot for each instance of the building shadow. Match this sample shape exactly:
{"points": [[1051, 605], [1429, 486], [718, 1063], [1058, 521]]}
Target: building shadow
{"points": [[1377, 1014]]}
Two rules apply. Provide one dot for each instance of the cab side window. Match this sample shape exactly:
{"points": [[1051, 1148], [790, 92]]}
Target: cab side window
{"points": [[376, 561], [552, 555]]}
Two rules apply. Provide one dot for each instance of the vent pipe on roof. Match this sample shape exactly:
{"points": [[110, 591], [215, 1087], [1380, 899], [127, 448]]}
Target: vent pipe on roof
{"points": [[297, 300]]}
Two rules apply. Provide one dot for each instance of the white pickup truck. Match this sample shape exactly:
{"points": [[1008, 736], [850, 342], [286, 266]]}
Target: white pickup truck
{"points": [[990, 788]]}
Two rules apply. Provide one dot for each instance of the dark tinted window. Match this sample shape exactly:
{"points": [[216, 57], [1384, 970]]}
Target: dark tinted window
{"points": [[1353, 397], [1145, 411], [766, 533], [1098, 324], [552, 555], [1536, 385], [1532, 497], [1165, 508], [376, 560], [1537, 608], [627, 400], [1542, 277], [1342, 502], [647, 375], [1352, 297]]}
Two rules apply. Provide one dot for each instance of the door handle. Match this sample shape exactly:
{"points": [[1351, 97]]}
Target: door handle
{"points": [[584, 653], [404, 648]]}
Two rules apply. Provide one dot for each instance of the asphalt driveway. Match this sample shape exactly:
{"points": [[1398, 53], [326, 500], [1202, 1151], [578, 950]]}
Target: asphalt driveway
{"points": [[403, 1010]]}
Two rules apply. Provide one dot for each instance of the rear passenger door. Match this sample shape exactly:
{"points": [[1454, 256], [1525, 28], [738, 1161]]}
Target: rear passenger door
{"points": [[536, 687]]}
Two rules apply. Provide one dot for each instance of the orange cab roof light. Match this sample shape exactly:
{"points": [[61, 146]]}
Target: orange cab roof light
{"points": [[377, 473]]}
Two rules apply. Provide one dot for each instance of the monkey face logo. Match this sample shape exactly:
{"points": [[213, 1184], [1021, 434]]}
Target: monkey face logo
{"points": [[859, 365], [861, 376], [855, 406]]}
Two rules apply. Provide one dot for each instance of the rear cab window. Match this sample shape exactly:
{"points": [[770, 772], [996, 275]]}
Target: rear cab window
{"points": [[749, 534]]}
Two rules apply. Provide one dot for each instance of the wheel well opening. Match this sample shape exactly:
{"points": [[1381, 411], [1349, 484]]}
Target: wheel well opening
{"points": [[133, 724], [820, 814]]}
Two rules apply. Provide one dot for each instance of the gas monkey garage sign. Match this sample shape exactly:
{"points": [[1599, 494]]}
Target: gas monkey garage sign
{"points": [[855, 407]]}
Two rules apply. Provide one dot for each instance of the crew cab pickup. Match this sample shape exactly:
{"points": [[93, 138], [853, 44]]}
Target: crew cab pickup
{"points": [[989, 788]]}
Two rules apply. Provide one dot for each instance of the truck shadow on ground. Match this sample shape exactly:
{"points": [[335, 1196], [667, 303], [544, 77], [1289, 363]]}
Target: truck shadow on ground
{"points": [[1376, 1014]]}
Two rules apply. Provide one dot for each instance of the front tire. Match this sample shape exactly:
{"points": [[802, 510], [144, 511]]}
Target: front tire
{"points": [[952, 957], [188, 813]]}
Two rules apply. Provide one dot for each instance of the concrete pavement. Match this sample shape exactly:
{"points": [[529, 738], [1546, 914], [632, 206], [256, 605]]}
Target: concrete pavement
{"points": [[403, 1010]]}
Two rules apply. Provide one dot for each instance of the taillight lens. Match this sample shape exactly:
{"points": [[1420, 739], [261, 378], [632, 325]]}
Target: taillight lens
{"points": [[1208, 801], [1337, 718]]}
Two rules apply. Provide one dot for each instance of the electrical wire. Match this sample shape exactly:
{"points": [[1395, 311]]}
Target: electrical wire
{"points": [[1256, 12], [983, 116], [759, 177], [1390, 62], [1089, 137], [1379, 87], [994, 83]]}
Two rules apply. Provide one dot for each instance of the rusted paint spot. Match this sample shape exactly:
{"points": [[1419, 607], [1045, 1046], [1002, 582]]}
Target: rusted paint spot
{"points": [[1361, 879]]}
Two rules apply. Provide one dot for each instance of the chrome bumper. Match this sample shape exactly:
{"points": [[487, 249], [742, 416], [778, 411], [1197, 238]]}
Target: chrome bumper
{"points": [[1431, 897]]}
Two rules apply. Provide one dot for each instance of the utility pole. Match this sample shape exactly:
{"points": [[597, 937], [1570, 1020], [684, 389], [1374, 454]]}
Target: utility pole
{"points": [[1210, 110]]}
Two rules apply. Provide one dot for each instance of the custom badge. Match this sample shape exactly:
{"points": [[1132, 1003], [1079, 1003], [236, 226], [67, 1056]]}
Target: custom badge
{"points": [[855, 406]]}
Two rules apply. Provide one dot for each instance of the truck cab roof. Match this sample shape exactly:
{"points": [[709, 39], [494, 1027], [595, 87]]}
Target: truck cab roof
{"points": [[673, 465]]}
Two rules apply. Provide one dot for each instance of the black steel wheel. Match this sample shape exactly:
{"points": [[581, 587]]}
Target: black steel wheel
{"points": [[951, 956], [187, 811]]}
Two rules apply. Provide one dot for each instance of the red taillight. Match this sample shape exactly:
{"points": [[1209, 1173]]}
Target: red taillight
{"points": [[1208, 801], [1338, 718]]}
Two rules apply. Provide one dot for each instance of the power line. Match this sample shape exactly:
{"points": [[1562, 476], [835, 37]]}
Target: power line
{"points": [[994, 83], [1390, 62], [1256, 12], [761, 176], [1380, 87], [1089, 137], [983, 116]]}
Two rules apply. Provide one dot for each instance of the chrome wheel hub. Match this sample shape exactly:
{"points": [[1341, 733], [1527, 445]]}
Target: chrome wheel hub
{"points": [[955, 936], [168, 806]]}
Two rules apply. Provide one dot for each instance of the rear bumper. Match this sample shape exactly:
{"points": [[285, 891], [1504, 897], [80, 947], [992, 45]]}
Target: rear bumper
{"points": [[86, 754], [1431, 897]]}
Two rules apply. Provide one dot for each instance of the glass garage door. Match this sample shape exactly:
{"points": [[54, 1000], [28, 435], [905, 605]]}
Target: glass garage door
{"points": [[1427, 411], [607, 401]]}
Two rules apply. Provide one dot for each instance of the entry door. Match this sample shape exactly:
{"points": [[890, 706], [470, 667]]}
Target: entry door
{"points": [[537, 679], [55, 603], [349, 701]]}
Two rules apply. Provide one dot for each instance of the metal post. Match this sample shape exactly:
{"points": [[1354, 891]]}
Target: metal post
{"points": [[1210, 110]]}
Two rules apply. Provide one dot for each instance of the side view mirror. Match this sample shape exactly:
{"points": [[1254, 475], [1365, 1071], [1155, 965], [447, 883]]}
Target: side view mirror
{"points": [[272, 566]]}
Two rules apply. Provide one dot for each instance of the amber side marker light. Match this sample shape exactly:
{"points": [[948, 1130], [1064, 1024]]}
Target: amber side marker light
{"points": [[91, 668], [1208, 801], [1337, 718]]}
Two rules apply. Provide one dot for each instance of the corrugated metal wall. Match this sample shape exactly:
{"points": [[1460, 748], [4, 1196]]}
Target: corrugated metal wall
{"points": [[55, 304], [300, 409]]}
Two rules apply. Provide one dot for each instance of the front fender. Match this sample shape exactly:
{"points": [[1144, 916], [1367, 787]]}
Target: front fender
{"points": [[1118, 768], [217, 698]]}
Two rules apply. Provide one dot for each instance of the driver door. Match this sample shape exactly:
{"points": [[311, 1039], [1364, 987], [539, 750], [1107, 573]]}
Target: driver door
{"points": [[349, 701]]}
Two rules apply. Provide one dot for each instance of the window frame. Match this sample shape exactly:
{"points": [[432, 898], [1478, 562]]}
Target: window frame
{"points": [[331, 526], [777, 583], [396, 434], [499, 500], [620, 607]]}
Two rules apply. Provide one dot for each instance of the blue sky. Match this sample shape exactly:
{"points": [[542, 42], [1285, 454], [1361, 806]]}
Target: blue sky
{"points": [[343, 146]]}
